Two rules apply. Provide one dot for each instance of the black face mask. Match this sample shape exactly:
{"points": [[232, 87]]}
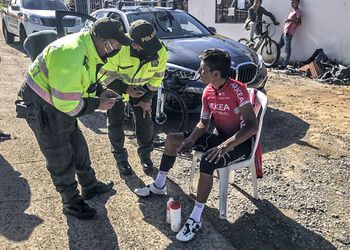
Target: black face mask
{"points": [[110, 54]]}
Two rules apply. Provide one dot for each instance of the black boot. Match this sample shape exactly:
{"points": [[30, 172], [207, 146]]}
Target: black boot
{"points": [[99, 188], [80, 210], [124, 168], [147, 165]]}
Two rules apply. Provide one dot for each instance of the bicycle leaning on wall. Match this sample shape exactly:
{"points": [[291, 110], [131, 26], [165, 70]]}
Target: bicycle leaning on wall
{"points": [[270, 50]]}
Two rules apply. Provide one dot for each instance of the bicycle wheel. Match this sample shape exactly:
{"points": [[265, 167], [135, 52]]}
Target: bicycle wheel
{"points": [[243, 41], [173, 119], [270, 52]]}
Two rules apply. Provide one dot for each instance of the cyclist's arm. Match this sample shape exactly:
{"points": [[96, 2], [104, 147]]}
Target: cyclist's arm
{"points": [[203, 125], [269, 14], [200, 129]]}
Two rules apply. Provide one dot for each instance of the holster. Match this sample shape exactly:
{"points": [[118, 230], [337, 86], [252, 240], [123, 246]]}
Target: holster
{"points": [[31, 112]]}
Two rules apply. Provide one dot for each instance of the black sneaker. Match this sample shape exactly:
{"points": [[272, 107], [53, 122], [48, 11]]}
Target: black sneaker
{"points": [[80, 210], [124, 168], [147, 165], [99, 188]]}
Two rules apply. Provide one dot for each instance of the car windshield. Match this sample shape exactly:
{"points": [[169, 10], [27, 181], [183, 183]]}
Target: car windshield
{"points": [[171, 24], [44, 5]]}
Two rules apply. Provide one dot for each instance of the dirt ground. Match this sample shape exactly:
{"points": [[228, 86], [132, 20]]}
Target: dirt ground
{"points": [[304, 200]]}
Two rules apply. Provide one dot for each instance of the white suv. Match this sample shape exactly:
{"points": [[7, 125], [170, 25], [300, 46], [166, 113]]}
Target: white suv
{"points": [[24, 17]]}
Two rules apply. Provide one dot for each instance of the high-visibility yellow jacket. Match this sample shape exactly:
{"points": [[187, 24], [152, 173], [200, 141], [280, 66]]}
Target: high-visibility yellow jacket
{"points": [[63, 73], [129, 69]]}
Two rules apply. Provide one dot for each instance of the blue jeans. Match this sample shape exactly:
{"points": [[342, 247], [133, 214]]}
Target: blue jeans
{"points": [[286, 39]]}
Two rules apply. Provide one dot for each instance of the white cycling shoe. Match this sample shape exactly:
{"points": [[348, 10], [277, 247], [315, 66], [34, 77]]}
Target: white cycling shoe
{"points": [[189, 230], [150, 189]]}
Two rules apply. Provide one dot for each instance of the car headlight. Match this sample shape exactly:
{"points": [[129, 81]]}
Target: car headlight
{"points": [[173, 70], [34, 19]]}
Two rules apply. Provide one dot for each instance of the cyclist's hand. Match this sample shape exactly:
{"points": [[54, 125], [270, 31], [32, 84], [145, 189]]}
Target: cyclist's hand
{"points": [[276, 23], [106, 103], [146, 107], [133, 91], [215, 154]]}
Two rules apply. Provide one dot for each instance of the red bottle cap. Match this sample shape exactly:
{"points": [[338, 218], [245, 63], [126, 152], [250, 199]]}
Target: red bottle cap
{"points": [[175, 205]]}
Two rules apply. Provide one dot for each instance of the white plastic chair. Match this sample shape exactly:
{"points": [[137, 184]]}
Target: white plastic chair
{"points": [[225, 173]]}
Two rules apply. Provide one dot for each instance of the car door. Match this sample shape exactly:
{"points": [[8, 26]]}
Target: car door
{"points": [[13, 17], [60, 24]]}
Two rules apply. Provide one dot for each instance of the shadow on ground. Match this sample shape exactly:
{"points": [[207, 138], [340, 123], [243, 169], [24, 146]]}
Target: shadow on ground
{"points": [[153, 209], [18, 46], [281, 129], [93, 234], [96, 122], [266, 228], [15, 224]]}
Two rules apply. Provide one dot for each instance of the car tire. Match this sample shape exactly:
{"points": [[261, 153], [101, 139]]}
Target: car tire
{"points": [[22, 34], [9, 37]]}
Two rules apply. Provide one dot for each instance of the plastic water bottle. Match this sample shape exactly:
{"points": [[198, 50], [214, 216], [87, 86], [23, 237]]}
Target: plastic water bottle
{"points": [[168, 218], [175, 216]]}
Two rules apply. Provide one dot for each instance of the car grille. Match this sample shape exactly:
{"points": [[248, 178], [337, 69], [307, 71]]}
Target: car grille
{"points": [[244, 72], [50, 22]]}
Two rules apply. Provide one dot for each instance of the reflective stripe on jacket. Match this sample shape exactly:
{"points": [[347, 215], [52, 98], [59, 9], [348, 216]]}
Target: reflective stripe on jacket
{"points": [[130, 70], [63, 72]]}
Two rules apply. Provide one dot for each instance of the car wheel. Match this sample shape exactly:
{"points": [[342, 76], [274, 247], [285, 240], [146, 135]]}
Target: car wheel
{"points": [[9, 37], [22, 35]]}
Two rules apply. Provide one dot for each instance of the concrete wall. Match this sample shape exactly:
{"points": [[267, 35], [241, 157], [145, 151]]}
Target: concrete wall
{"points": [[325, 25]]}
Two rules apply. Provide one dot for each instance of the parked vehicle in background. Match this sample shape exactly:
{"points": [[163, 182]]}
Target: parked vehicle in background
{"points": [[186, 38], [24, 17]]}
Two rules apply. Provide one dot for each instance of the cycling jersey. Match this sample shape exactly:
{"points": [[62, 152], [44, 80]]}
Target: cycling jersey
{"points": [[223, 104]]}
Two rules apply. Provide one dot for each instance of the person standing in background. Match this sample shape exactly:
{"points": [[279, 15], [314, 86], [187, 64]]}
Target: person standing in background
{"points": [[290, 25]]}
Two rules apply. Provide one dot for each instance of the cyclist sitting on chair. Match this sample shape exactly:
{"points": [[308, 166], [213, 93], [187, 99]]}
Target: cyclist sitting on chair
{"points": [[254, 19], [228, 102]]}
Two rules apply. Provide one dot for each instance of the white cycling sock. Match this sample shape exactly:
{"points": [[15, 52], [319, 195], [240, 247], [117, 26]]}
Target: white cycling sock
{"points": [[197, 211], [160, 180]]}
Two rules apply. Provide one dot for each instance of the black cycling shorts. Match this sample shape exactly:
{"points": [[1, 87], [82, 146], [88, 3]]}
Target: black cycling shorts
{"points": [[208, 141]]}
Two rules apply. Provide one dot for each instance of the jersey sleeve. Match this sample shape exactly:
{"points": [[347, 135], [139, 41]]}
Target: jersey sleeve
{"points": [[205, 113]]}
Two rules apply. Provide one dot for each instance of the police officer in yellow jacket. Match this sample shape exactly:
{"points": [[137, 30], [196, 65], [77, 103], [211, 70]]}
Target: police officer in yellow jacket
{"points": [[60, 86], [138, 71]]}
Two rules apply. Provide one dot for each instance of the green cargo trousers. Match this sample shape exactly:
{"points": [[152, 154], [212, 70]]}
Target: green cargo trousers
{"points": [[144, 131], [64, 147]]}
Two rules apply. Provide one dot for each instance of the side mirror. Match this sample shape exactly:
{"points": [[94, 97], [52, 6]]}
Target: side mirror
{"points": [[15, 7], [212, 29]]}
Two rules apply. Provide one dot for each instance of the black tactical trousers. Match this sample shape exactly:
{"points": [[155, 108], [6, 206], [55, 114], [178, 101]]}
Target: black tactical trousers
{"points": [[65, 149], [144, 131]]}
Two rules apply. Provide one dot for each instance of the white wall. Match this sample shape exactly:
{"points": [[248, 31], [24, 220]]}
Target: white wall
{"points": [[325, 25]]}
